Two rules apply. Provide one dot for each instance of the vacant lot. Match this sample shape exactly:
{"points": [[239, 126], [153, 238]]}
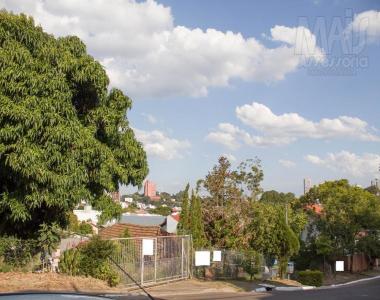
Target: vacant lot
{"points": [[16, 282], [21, 282]]}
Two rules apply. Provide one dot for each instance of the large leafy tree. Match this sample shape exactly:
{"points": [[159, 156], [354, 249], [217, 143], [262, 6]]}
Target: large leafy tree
{"points": [[228, 193], [347, 211], [64, 135], [272, 235]]}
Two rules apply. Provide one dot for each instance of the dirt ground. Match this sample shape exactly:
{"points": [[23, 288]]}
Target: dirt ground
{"points": [[16, 282], [22, 282]]}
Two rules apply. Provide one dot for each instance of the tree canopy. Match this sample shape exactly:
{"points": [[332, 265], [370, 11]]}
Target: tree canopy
{"points": [[64, 135], [347, 211]]}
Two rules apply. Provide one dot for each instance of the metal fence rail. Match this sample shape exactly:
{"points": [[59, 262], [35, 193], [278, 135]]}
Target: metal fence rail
{"points": [[170, 259]]}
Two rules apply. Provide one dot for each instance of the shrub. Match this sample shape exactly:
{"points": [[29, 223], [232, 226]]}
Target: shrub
{"points": [[309, 277], [69, 263], [16, 253], [252, 263], [84, 228], [105, 272], [94, 260]]}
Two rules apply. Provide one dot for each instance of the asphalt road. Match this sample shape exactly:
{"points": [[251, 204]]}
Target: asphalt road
{"points": [[369, 290]]}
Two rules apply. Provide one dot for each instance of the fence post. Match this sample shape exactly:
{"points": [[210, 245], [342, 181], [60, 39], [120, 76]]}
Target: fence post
{"points": [[188, 257], [142, 263], [182, 256], [155, 260]]}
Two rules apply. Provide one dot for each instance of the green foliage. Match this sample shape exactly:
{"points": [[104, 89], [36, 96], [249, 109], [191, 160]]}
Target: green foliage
{"points": [[48, 237], [69, 262], [64, 135], [370, 245], [227, 202], [196, 223], [270, 235], [73, 224], [126, 233], [184, 221], [323, 245], [162, 210], [104, 272], [309, 277], [252, 263], [274, 197], [94, 260], [16, 253], [85, 228], [347, 210], [91, 259], [249, 176]]}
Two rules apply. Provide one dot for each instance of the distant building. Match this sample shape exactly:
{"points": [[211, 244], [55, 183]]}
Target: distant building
{"points": [[128, 199], [150, 190], [87, 214], [165, 224], [306, 185]]}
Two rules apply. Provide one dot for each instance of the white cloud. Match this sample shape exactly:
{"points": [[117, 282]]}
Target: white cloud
{"points": [[157, 143], [349, 163], [368, 23], [287, 163], [232, 137], [147, 55], [292, 125], [286, 128], [150, 118], [301, 38]]}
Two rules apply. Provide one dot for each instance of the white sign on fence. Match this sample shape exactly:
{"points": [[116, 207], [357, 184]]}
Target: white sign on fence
{"points": [[202, 258], [148, 247], [339, 266], [217, 256]]}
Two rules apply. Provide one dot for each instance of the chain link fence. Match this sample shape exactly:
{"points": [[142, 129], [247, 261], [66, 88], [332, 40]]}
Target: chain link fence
{"points": [[153, 260], [233, 265]]}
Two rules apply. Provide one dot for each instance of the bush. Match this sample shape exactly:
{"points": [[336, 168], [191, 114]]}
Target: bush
{"points": [[309, 277], [69, 263], [84, 228], [16, 253], [94, 260], [252, 263]]}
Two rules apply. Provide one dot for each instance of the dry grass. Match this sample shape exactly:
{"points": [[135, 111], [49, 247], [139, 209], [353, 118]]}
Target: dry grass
{"points": [[16, 282]]}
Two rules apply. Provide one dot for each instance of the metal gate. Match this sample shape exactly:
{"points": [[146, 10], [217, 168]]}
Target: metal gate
{"points": [[151, 260]]}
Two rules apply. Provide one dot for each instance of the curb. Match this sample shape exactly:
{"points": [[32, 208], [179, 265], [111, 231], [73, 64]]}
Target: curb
{"points": [[351, 282], [268, 288], [295, 288]]}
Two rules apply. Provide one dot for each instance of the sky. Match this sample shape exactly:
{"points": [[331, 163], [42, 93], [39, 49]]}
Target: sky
{"points": [[295, 83]]}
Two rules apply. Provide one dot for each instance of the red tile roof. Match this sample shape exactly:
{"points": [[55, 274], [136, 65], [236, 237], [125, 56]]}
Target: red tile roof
{"points": [[117, 231], [176, 217], [317, 208]]}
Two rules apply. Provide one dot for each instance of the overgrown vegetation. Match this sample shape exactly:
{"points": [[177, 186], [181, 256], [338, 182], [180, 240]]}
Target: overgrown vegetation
{"points": [[64, 135], [91, 259], [19, 255], [348, 223], [309, 277]]}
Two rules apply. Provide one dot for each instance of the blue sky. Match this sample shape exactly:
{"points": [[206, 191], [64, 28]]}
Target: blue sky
{"points": [[232, 77]]}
